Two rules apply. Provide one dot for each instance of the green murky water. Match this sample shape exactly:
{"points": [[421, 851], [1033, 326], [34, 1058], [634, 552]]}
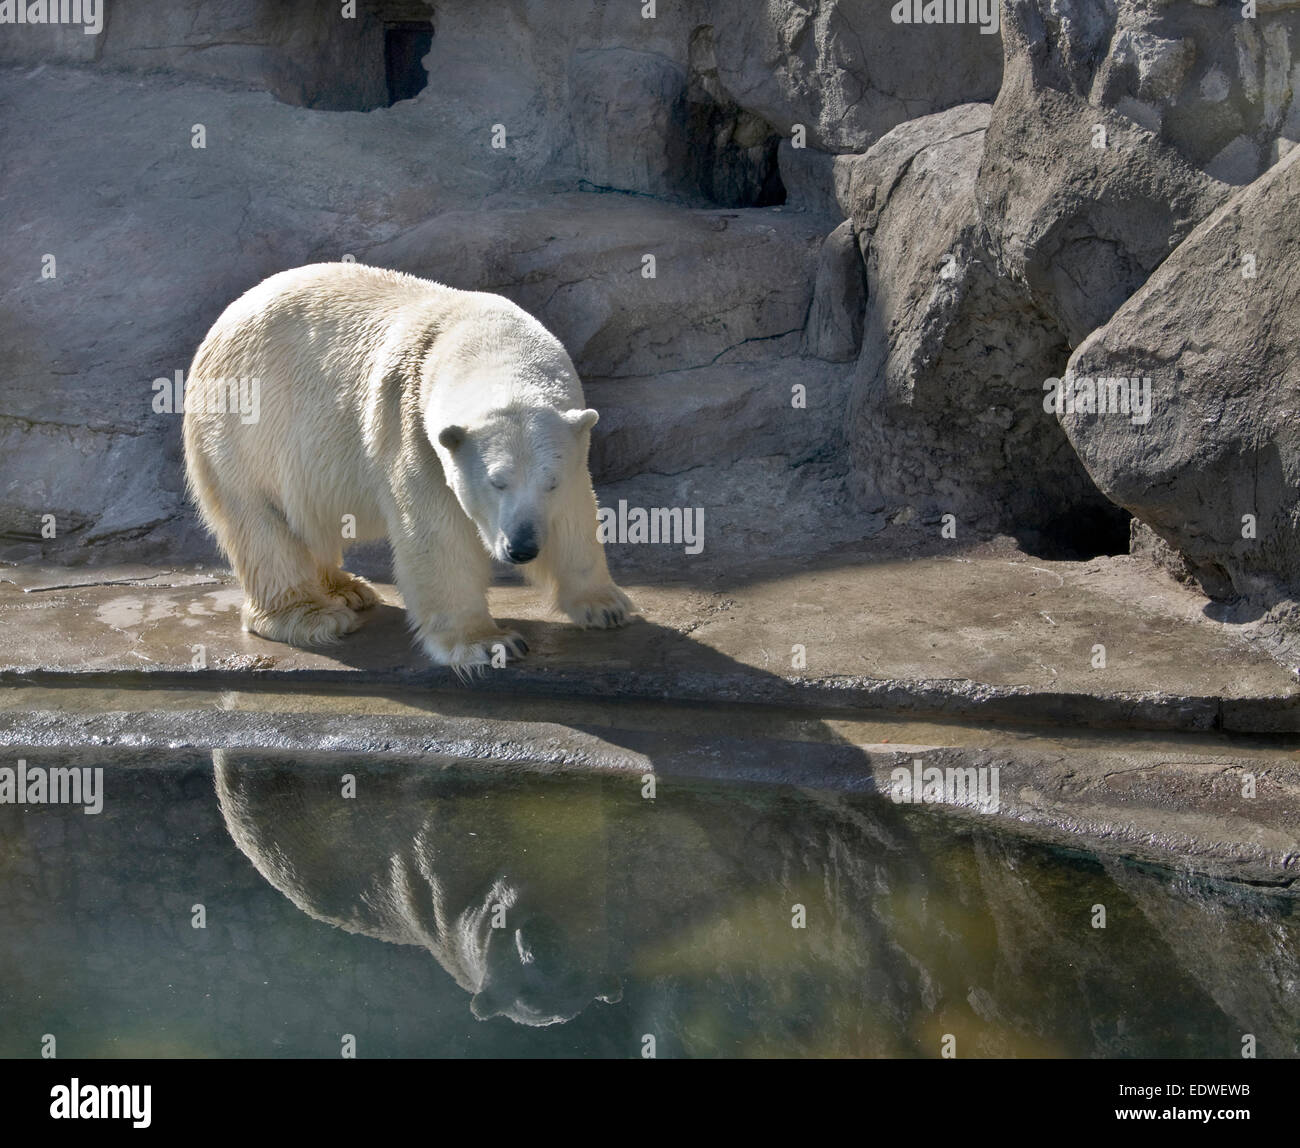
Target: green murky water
{"points": [[397, 902]]}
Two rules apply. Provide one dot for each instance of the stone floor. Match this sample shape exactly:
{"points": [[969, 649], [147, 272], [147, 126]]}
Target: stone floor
{"points": [[994, 635]]}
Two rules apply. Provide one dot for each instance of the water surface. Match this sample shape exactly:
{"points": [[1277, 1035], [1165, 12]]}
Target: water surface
{"points": [[718, 920]]}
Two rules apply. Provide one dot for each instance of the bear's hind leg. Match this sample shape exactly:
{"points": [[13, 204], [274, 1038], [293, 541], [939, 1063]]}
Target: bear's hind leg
{"points": [[286, 599]]}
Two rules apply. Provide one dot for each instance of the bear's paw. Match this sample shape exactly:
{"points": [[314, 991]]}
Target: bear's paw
{"points": [[600, 609], [313, 622], [351, 590], [471, 655]]}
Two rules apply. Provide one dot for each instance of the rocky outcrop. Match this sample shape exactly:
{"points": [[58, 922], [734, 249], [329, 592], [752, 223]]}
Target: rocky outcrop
{"points": [[844, 70], [630, 286], [1081, 225], [302, 52], [1214, 472], [946, 414], [1214, 84], [1080, 201], [834, 328], [1117, 129]]}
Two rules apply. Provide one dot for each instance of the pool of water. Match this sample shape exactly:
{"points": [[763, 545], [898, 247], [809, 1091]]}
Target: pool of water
{"points": [[232, 904]]}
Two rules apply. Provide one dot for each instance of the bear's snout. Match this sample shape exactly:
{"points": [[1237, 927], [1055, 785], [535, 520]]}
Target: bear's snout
{"points": [[522, 545]]}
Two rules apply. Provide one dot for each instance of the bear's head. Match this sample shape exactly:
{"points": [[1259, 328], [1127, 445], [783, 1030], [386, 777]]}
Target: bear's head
{"points": [[533, 975], [510, 470]]}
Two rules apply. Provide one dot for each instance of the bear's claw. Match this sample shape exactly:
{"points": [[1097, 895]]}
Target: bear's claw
{"points": [[603, 610], [353, 592], [470, 655]]}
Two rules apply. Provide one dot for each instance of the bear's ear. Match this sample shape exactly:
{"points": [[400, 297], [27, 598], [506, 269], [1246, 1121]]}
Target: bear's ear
{"points": [[581, 420], [451, 437]]}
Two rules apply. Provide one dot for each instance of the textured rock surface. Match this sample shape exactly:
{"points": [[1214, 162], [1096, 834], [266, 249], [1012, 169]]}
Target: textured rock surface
{"points": [[946, 415], [302, 52], [834, 330], [1223, 354], [981, 634], [1184, 98], [1216, 86], [844, 70], [1081, 225], [727, 286]]}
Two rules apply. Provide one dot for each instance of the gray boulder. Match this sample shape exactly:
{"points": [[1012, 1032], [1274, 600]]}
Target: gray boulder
{"points": [[1222, 352], [834, 330], [946, 414]]}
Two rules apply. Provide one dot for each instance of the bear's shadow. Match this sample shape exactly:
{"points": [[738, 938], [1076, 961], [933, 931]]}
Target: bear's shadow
{"points": [[643, 653]]}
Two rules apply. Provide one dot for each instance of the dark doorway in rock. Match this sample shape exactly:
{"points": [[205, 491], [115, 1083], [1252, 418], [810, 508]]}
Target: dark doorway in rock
{"points": [[1083, 532], [733, 152], [406, 43]]}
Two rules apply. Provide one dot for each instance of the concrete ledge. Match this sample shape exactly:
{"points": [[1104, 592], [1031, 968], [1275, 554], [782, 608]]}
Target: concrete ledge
{"points": [[1181, 806], [989, 638]]}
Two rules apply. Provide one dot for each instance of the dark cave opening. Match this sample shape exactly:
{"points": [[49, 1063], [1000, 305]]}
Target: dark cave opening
{"points": [[1080, 533], [405, 45], [733, 152]]}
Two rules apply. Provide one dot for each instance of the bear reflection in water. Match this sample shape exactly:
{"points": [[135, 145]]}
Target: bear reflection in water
{"points": [[433, 860], [761, 920]]}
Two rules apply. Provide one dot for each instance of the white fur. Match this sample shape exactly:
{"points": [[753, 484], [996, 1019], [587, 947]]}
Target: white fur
{"points": [[361, 371]]}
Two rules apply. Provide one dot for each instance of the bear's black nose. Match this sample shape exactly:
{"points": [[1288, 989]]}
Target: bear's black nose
{"points": [[522, 546]]}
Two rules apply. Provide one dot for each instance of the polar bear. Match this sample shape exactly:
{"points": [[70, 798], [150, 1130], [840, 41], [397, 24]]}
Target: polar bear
{"points": [[512, 907], [450, 422]]}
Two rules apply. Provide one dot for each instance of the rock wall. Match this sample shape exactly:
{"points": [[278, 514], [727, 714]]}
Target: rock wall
{"points": [[187, 151]]}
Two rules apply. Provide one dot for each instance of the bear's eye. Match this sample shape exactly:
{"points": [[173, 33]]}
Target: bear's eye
{"points": [[552, 483], [498, 483]]}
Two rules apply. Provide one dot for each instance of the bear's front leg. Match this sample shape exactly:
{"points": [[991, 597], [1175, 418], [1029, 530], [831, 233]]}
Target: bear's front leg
{"points": [[572, 567], [443, 574]]}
